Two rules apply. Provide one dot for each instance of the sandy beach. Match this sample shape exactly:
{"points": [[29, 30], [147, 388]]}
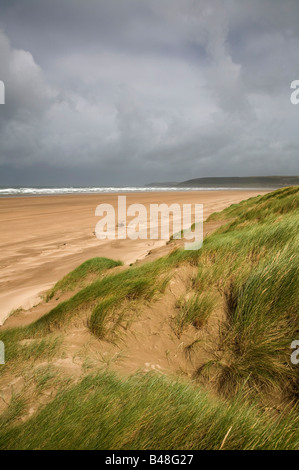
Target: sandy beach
{"points": [[43, 238]]}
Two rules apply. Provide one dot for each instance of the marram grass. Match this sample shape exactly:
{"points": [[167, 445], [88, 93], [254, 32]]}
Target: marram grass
{"points": [[251, 262]]}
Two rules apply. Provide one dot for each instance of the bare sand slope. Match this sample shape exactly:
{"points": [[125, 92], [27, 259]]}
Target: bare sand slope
{"points": [[43, 238]]}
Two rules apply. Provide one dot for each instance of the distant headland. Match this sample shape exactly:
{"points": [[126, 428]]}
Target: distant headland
{"points": [[269, 182]]}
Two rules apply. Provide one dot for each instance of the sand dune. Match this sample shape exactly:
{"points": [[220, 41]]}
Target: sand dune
{"points": [[43, 238]]}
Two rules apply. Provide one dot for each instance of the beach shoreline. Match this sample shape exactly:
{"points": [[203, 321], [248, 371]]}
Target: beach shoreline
{"points": [[46, 236]]}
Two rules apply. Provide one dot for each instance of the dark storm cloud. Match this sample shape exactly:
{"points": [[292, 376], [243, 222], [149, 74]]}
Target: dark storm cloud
{"points": [[125, 92]]}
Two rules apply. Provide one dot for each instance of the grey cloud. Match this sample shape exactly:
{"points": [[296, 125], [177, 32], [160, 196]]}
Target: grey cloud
{"points": [[25, 89], [125, 92]]}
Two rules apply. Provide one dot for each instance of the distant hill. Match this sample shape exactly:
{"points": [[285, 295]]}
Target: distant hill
{"points": [[271, 182]]}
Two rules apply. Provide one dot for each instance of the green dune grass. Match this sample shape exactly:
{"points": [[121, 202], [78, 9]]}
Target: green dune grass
{"points": [[251, 264], [146, 412], [79, 276]]}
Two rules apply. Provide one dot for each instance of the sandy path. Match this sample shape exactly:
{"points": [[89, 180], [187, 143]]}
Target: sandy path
{"points": [[43, 238]]}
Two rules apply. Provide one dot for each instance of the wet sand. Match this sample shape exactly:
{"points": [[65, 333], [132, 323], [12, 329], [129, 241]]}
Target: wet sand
{"points": [[43, 238]]}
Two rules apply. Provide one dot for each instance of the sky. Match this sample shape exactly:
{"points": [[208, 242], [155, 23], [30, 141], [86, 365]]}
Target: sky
{"points": [[126, 92]]}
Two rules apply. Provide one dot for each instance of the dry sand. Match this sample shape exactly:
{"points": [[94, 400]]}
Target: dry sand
{"points": [[43, 238]]}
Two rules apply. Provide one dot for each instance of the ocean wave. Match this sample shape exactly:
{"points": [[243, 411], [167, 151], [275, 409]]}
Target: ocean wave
{"points": [[97, 190]]}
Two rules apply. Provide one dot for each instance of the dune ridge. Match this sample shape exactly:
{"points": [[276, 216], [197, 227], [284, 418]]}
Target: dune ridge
{"points": [[172, 352]]}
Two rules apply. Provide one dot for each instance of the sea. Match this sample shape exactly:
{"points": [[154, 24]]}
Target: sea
{"points": [[47, 191]]}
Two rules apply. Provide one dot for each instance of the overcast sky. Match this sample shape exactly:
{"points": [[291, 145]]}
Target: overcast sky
{"points": [[125, 92]]}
